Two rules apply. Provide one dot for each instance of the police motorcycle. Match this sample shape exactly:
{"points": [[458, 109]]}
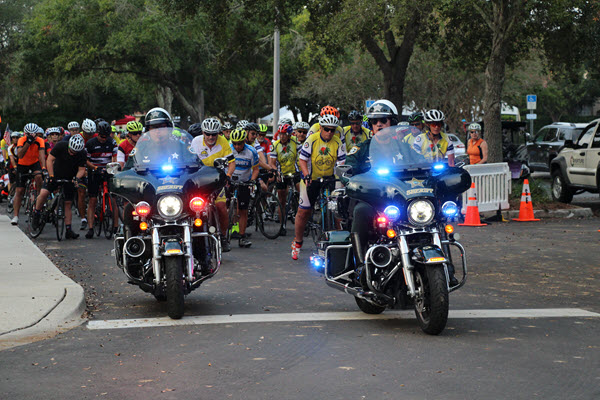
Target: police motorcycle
{"points": [[169, 242], [406, 262]]}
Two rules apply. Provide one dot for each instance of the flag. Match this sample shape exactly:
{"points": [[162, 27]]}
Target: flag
{"points": [[7, 133]]}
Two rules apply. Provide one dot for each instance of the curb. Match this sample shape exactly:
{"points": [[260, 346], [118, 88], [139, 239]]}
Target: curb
{"points": [[40, 300], [562, 213]]}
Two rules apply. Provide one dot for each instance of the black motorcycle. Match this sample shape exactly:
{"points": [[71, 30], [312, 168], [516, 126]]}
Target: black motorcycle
{"points": [[407, 258], [169, 241]]}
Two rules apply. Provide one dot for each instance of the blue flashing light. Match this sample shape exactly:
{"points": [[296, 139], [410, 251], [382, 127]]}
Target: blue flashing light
{"points": [[317, 263], [450, 209], [167, 168], [383, 171], [392, 213], [438, 167]]}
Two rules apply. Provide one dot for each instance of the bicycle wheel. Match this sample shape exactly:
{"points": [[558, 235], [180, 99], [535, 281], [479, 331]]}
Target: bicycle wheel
{"points": [[107, 220], [59, 216], [11, 197], [267, 213], [231, 214], [35, 232], [98, 218], [293, 203]]}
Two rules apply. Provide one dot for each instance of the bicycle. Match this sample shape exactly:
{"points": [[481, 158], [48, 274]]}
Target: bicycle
{"points": [[52, 212], [104, 213], [322, 218], [293, 195]]}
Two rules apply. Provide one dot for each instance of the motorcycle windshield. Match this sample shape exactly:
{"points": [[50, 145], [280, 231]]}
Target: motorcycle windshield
{"points": [[389, 154], [164, 149]]}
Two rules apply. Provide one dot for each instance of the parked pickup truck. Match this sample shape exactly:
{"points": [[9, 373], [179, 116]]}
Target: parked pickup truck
{"points": [[576, 168]]}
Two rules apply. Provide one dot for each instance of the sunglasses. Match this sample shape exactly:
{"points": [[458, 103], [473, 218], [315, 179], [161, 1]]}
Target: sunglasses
{"points": [[329, 129], [435, 123], [238, 143], [415, 123], [354, 122], [211, 134], [473, 131], [302, 132], [54, 134], [383, 120], [135, 133]]}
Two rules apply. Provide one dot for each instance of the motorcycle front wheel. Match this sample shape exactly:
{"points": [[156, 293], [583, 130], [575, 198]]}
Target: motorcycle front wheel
{"points": [[174, 275], [431, 304]]}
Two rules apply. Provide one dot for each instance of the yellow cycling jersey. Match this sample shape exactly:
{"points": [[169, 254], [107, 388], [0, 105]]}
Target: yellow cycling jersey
{"points": [[322, 156], [286, 155], [352, 140], [423, 145], [316, 128], [208, 155], [410, 139]]}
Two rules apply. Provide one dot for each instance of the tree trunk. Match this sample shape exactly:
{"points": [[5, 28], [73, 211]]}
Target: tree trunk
{"points": [[164, 98]]}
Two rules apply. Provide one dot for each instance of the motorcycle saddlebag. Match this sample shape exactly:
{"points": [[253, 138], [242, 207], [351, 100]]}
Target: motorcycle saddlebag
{"points": [[336, 258]]}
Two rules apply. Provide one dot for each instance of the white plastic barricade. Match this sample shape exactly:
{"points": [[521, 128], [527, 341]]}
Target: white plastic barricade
{"points": [[492, 185]]}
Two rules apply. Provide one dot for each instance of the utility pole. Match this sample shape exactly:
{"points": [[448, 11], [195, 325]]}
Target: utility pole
{"points": [[276, 79]]}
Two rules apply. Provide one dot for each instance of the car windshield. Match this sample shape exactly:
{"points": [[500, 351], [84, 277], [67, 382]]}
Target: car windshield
{"points": [[388, 152], [164, 148]]}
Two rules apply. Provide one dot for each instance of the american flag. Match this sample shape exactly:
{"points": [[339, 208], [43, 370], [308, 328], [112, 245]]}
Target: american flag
{"points": [[7, 133]]}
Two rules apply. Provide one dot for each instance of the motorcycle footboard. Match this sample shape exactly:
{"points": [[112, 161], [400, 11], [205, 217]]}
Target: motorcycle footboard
{"points": [[463, 259], [194, 284], [337, 273]]}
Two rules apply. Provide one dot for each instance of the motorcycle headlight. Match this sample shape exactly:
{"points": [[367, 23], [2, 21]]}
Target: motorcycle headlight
{"points": [[170, 207], [420, 212]]}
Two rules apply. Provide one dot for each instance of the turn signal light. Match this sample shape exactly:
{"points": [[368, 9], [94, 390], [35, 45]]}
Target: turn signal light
{"points": [[142, 209], [197, 204], [382, 222], [198, 222], [391, 233], [436, 259], [449, 229], [143, 226]]}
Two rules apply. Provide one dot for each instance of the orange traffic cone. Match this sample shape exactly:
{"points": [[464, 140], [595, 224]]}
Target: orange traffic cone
{"points": [[526, 208], [472, 217]]}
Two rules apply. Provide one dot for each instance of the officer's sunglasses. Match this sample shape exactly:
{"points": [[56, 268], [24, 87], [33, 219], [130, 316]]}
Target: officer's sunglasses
{"points": [[383, 120]]}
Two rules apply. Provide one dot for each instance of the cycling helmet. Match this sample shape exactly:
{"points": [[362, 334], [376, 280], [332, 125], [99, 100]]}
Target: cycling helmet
{"points": [[416, 117], [73, 125], [211, 125], [241, 124], [329, 120], [382, 108], [158, 116], [354, 116], [239, 135], [302, 125], [54, 129], [195, 130], [76, 143], [31, 128], [434, 116], [104, 129], [62, 130], [284, 121], [88, 126], [329, 110], [263, 128], [134, 126], [15, 134], [285, 128], [474, 127], [40, 130], [113, 129], [226, 126], [252, 126]]}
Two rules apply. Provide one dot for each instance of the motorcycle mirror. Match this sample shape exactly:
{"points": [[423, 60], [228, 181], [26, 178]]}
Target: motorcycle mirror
{"points": [[340, 170], [460, 164], [113, 167]]}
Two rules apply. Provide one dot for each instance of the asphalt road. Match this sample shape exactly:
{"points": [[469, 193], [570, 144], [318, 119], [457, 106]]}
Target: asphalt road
{"points": [[544, 265]]}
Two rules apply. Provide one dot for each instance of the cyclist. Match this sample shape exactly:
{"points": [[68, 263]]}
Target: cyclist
{"points": [[433, 143], [318, 157], [67, 160], [263, 140], [31, 157], [53, 139], [73, 127], [12, 159], [355, 133], [226, 130], [415, 120], [284, 153], [101, 150], [301, 130], [208, 147], [328, 110], [264, 167], [241, 124], [195, 129], [134, 131], [246, 169], [88, 131]]}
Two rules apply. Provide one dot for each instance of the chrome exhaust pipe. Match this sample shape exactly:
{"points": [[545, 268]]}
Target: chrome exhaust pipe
{"points": [[134, 247], [380, 256]]}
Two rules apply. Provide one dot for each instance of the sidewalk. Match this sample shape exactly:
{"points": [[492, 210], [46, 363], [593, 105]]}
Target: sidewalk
{"points": [[36, 300]]}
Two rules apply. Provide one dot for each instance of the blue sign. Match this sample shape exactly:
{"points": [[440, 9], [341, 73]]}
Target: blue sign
{"points": [[369, 103], [531, 98]]}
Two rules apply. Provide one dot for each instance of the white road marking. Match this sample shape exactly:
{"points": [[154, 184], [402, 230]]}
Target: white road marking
{"points": [[332, 316]]}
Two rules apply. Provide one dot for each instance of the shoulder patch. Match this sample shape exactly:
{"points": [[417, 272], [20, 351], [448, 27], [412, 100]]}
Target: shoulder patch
{"points": [[353, 150]]}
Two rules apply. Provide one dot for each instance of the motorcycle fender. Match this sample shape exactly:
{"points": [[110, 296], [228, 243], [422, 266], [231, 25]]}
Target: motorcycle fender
{"points": [[429, 254], [172, 247]]}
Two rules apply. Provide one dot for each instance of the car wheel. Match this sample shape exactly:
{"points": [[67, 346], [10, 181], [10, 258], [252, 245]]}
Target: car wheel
{"points": [[560, 190]]}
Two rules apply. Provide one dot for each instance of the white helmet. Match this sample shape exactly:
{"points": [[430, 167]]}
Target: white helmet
{"points": [[301, 125], [158, 116], [88, 126], [227, 126], [211, 125], [73, 125], [329, 120], [76, 142], [434, 116], [241, 124], [54, 129], [474, 127], [40, 130], [283, 121], [31, 128], [382, 108]]}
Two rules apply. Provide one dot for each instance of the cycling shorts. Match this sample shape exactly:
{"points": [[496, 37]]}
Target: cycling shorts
{"points": [[243, 196], [24, 171], [308, 196], [95, 181], [287, 181], [69, 189]]}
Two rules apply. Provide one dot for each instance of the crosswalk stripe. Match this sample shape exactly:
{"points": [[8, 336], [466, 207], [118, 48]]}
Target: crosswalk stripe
{"points": [[333, 316]]}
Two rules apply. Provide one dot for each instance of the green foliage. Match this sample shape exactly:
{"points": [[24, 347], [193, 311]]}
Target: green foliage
{"points": [[538, 188]]}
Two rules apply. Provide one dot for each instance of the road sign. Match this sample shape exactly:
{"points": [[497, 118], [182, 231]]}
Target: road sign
{"points": [[369, 103], [531, 116], [531, 101]]}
